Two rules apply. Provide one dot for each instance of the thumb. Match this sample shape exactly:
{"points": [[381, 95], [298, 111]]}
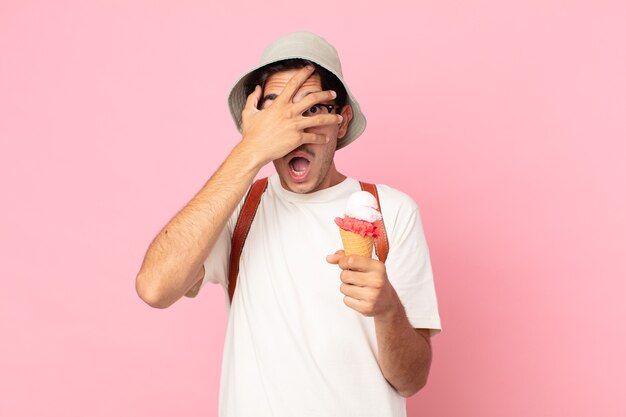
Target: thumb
{"points": [[252, 102], [335, 257]]}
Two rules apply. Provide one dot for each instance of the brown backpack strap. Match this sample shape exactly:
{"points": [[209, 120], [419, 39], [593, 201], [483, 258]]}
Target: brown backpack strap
{"points": [[244, 221], [381, 244]]}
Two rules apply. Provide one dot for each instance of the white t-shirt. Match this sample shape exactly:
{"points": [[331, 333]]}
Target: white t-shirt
{"points": [[292, 347]]}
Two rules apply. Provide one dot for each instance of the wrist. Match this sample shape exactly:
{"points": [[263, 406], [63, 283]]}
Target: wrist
{"points": [[248, 158], [393, 314]]}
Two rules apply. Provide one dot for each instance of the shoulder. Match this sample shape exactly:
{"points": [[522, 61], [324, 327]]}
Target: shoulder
{"points": [[395, 201], [400, 212]]}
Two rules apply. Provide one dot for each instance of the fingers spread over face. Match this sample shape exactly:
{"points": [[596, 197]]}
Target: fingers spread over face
{"points": [[320, 120], [294, 84], [253, 98], [312, 99], [314, 138], [252, 101]]}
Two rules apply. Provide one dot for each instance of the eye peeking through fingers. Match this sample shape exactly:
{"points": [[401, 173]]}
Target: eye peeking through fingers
{"points": [[319, 109], [266, 101]]}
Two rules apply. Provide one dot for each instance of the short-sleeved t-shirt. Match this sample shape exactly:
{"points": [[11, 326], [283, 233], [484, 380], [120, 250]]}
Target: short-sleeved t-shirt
{"points": [[292, 347]]}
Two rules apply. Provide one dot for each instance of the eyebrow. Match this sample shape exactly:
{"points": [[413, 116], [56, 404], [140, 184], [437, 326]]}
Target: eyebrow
{"points": [[269, 97]]}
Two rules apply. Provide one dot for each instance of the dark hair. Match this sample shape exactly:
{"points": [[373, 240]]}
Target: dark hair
{"points": [[328, 79]]}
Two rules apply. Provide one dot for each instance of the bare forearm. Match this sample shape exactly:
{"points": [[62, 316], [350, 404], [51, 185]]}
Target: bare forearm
{"points": [[404, 355], [175, 256]]}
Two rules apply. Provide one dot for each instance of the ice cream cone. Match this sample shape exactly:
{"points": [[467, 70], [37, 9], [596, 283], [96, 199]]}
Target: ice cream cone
{"points": [[355, 244]]}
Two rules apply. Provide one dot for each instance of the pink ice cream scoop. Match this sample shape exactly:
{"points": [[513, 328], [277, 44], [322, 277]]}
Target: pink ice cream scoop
{"points": [[360, 217]]}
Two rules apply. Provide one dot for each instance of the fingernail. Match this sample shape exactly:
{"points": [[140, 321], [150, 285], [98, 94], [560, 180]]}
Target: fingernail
{"points": [[333, 94], [340, 118], [310, 67]]}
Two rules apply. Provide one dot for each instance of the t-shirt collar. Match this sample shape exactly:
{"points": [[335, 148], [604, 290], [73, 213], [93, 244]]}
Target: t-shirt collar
{"points": [[335, 192]]}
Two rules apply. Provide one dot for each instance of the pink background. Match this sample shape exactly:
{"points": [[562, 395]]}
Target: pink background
{"points": [[505, 122]]}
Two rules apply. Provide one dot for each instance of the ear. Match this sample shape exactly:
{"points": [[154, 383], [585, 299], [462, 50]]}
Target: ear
{"points": [[346, 113]]}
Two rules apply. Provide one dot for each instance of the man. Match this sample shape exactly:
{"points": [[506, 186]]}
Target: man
{"points": [[309, 334]]}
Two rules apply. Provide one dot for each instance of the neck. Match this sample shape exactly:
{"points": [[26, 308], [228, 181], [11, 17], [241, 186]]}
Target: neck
{"points": [[332, 178]]}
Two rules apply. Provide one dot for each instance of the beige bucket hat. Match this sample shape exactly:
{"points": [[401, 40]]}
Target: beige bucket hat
{"points": [[304, 45]]}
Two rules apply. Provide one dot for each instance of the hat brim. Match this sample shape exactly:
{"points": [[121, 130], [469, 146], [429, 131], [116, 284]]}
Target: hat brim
{"points": [[237, 100]]}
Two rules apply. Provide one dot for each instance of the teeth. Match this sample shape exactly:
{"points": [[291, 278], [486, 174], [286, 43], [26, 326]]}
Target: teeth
{"points": [[298, 173]]}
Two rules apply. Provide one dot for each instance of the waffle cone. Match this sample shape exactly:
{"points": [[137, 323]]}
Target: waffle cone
{"points": [[355, 244]]}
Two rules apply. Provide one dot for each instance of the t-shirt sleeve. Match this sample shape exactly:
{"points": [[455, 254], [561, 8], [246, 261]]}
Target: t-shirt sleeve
{"points": [[217, 263], [409, 269]]}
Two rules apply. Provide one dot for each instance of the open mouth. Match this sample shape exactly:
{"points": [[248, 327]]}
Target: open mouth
{"points": [[299, 167]]}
